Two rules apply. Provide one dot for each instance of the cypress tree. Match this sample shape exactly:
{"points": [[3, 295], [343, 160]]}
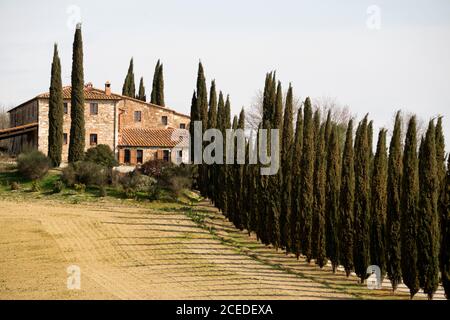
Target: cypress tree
{"points": [[409, 211], [55, 112], [428, 230], [294, 220], [77, 129], [230, 180], [286, 167], [445, 244], [327, 129], [202, 107], [379, 205], [240, 216], [160, 87], [362, 202], [225, 170], [141, 95], [212, 124], [319, 222], [306, 181], [346, 203], [195, 116], [440, 163], [393, 240], [274, 181], [153, 97], [332, 198], [219, 172], [129, 88]]}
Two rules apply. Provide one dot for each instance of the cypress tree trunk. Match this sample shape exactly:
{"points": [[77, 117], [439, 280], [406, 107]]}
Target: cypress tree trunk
{"points": [[306, 181], [393, 212], [154, 94], [77, 129], [332, 198], [294, 222], [286, 167], [409, 211], [445, 244], [346, 204], [362, 202], [141, 95], [428, 230], [379, 205], [319, 223], [55, 112]]}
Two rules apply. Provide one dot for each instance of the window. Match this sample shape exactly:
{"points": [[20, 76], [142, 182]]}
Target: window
{"points": [[139, 156], [166, 155], [94, 108], [65, 138], [164, 120], [180, 153], [127, 156], [182, 126], [66, 108], [93, 139], [137, 116]]}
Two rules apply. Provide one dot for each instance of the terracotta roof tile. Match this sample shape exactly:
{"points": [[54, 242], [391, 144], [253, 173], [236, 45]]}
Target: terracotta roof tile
{"points": [[89, 94], [134, 137]]}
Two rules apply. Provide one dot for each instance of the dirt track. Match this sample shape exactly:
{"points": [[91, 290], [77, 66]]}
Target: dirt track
{"points": [[138, 253]]}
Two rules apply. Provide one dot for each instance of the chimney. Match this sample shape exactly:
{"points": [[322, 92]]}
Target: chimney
{"points": [[108, 88], [88, 86]]}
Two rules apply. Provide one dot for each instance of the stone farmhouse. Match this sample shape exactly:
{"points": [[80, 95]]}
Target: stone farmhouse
{"points": [[135, 130]]}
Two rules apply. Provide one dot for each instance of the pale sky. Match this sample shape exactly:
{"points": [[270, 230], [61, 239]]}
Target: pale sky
{"points": [[324, 47]]}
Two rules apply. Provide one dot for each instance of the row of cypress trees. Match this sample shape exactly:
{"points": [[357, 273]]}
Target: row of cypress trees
{"points": [[336, 203], [157, 94], [56, 107]]}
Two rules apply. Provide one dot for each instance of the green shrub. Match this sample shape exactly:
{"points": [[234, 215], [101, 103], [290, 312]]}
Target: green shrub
{"points": [[80, 187], [58, 186], [87, 173], [102, 191], [176, 178], [154, 168], [33, 165], [69, 176], [154, 192], [35, 186], [14, 186], [134, 182], [102, 155]]}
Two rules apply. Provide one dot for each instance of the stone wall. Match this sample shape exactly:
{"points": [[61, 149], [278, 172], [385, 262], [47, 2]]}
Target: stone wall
{"points": [[151, 116], [25, 114], [103, 124]]}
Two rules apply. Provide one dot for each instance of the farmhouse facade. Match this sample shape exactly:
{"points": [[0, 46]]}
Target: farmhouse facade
{"points": [[135, 130]]}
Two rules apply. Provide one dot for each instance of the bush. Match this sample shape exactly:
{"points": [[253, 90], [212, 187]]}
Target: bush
{"points": [[14, 186], [85, 172], [58, 186], [80, 187], [176, 178], [134, 182], [33, 165], [154, 192], [102, 155], [102, 191], [35, 186], [154, 168]]}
